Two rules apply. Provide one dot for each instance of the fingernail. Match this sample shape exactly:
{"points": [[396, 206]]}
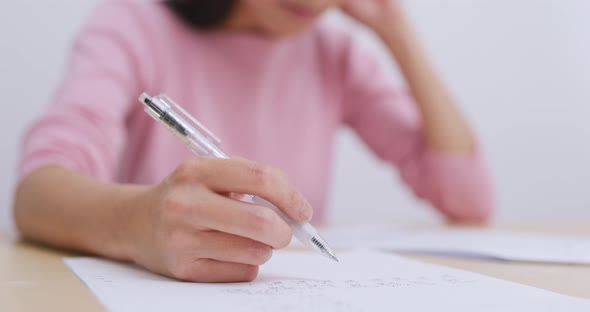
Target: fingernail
{"points": [[306, 212]]}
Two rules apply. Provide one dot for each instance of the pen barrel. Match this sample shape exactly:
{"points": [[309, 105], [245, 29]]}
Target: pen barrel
{"points": [[304, 232], [203, 142], [203, 148]]}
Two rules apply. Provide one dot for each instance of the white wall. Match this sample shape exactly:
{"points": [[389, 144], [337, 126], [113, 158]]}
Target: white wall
{"points": [[35, 37], [521, 68]]}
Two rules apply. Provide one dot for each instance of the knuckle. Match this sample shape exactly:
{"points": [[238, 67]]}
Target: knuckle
{"points": [[284, 239], [281, 175], [172, 205], [176, 238], [264, 176], [261, 221], [261, 254], [179, 271], [294, 199], [188, 270], [190, 170], [177, 203], [250, 273]]}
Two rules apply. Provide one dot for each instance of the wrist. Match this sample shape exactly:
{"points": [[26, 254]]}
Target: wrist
{"points": [[127, 221], [394, 32], [402, 43]]}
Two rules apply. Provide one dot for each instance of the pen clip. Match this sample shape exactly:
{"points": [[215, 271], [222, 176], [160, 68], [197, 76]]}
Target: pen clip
{"points": [[195, 123]]}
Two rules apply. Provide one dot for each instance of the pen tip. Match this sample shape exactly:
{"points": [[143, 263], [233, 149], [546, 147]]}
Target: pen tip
{"points": [[320, 244], [333, 257]]}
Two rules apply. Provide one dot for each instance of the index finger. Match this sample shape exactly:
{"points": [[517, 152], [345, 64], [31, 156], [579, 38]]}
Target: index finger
{"points": [[248, 177]]}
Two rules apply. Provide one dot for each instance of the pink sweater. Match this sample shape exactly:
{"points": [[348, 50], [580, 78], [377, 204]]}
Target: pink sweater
{"points": [[277, 101]]}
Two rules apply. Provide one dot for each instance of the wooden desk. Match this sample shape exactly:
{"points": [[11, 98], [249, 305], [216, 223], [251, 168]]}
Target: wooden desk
{"points": [[34, 278]]}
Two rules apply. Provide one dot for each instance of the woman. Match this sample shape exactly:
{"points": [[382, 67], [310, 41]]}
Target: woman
{"points": [[98, 175]]}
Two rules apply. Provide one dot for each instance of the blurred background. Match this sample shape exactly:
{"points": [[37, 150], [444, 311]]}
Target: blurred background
{"points": [[520, 68]]}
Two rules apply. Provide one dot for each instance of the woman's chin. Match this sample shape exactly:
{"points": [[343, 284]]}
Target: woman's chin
{"points": [[290, 30]]}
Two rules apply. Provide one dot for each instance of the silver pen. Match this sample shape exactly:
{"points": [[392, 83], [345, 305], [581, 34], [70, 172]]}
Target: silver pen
{"points": [[204, 143]]}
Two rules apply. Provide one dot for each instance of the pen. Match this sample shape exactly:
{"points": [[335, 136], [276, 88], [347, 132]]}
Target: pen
{"points": [[204, 143]]}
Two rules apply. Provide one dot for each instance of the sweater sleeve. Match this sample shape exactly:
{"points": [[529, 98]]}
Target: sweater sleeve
{"points": [[388, 121], [84, 128]]}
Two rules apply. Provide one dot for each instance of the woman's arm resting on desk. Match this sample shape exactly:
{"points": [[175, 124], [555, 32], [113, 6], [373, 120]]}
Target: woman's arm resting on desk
{"points": [[435, 150], [182, 228]]}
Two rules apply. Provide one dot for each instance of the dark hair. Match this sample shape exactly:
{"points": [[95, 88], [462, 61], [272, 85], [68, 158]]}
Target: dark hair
{"points": [[201, 14]]}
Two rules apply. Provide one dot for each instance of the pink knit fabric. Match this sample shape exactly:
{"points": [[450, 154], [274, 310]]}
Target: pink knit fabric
{"points": [[277, 101]]}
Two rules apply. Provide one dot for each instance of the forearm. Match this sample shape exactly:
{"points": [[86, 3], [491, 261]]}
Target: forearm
{"points": [[66, 209], [445, 128]]}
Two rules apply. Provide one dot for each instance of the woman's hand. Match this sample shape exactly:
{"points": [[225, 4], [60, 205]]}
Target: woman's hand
{"points": [[189, 228], [379, 15]]}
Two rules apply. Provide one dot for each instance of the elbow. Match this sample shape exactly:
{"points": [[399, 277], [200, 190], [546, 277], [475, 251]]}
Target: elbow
{"points": [[19, 209], [466, 198], [24, 215]]}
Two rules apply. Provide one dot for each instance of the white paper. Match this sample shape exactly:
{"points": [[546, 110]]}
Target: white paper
{"points": [[362, 281], [492, 244]]}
